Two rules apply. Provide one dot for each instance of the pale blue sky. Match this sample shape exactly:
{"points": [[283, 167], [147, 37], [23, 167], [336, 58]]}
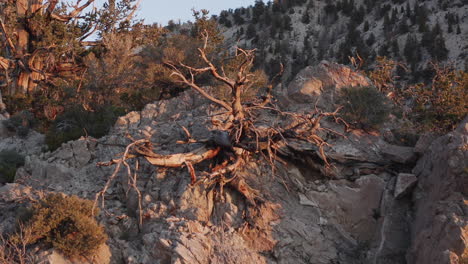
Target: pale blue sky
{"points": [[162, 11]]}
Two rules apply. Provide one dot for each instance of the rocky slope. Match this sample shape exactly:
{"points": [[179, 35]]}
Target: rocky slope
{"points": [[304, 32], [385, 204]]}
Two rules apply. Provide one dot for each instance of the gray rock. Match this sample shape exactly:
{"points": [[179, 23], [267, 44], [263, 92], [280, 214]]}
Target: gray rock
{"points": [[398, 154], [440, 228], [404, 184], [424, 142], [321, 84], [11, 192], [352, 205], [81, 153], [101, 256], [393, 236]]}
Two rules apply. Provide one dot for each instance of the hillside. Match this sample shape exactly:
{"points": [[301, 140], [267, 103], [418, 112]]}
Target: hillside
{"points": [[381, 202], [304, 32], [181, 143]]}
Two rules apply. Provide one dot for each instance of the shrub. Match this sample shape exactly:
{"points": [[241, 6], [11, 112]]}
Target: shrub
{"points": [[364, 107], [77, 122], [20, 123], [444, 104], [10, 161], [65, 223]]}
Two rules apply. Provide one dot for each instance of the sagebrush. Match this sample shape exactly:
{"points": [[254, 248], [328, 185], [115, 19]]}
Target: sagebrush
{"points": [[364, 107], [65, 223], [10, 161]]}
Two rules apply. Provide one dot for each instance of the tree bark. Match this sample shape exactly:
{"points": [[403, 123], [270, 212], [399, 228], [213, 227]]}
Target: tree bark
{"points": [[26, 79], [20, 83]]}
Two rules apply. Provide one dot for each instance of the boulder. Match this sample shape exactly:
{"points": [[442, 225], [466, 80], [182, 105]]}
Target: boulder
{"points": [[320, 84], [404, 184], [424, 142], [101, 256], [398, 154], [352, 205], [440, 228], [33, 144], [393, 236]]}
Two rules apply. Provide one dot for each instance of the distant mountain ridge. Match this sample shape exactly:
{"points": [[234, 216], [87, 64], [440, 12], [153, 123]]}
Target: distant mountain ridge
{"points": [[304, 32]]}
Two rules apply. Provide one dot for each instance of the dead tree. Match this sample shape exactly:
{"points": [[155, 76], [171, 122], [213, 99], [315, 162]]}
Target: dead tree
{"points": [[243, 138], [236, 85]]}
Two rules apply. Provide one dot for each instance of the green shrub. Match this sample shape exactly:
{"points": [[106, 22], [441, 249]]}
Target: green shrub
{"points": [[364, 107], [64, 223], [444, 104], [77, 122], [20, 123], [10, 161]]}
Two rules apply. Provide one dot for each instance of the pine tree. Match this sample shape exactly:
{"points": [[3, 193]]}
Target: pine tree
{"points": [[422, 19], [436, 30], [387, 24], [306, 17], [267, 17], [238, 19], [251, 32], [426, 40], [370, 40], [411, 50], [287, 24], [408, 10], [383, 50], [258, 10], [440, 51], [403, 27], [395, 48], [394, 16], [366, 26], [273, 32]]}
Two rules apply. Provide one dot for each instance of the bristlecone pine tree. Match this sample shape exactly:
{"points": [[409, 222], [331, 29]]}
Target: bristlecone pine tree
{"points": [[237, 139], [42, 39], [32, 32]]}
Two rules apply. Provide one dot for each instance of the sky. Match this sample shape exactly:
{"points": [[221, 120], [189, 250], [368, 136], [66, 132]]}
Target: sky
{"points": [[161, 11]]}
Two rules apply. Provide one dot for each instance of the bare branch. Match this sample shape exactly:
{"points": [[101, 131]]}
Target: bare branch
{"points": [[179, 159], [192, 84], [214, 71], [78, 9], [119, 163], [73, 14], [134, 9], [8, 39], [52, 4]]}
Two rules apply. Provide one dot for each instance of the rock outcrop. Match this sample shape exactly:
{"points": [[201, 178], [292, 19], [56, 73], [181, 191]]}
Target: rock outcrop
{"points": [[440, 227], [321, 84], [369, 212]]}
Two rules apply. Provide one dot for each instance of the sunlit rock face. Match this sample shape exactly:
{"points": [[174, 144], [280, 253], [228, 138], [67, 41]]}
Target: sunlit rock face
{"points": [[368, 210], [440, 227]]}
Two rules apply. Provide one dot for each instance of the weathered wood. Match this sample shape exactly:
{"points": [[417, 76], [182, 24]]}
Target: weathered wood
{"points": [[179, 159]]}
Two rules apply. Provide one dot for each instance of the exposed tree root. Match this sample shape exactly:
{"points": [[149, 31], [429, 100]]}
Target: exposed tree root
{"points": [[240, 139]]}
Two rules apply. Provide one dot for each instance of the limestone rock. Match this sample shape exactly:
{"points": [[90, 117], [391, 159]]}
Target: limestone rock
{"points": [[321, 84], [352, 218], [424, 142], [352, 206], [101, 256], [404, 184], [440, 227], [398, 154], [33, 144]]}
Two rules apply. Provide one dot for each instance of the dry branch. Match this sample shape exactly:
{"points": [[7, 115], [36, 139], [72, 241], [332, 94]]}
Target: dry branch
{"points": [[179, 159], [240, 137]]}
